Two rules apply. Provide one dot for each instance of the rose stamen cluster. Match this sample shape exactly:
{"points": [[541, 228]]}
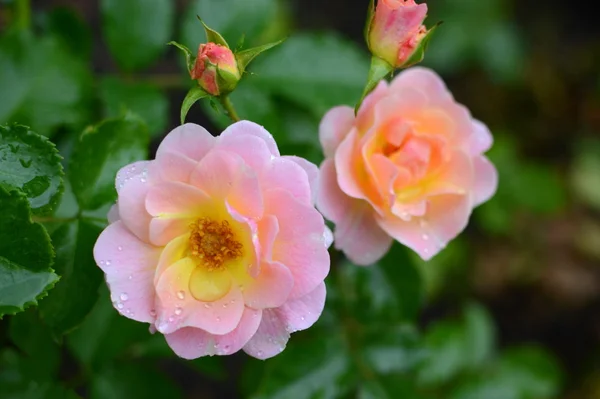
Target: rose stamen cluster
{"points": [[213, 243]]}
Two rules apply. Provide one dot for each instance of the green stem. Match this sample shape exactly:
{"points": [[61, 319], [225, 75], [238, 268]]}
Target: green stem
{"points": [[23, 12], [228, 105]]}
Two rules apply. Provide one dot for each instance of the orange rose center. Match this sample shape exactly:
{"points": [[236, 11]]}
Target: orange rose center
{"points": [[212, 243]]}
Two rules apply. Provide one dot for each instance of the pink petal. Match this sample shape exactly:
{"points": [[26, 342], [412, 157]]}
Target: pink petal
{"points": [[303, 312], [332, 202], [190, 140], [175, 199], [486, 180], [192, 343], [423, 79], [224, 175], [164, 230], [446, 217], [366, 113], [286, 174], [271, 288], [334, 127], [129, 265], [312, 171], [300, 244], [174, 166], [245, 128], [481, 139], [359, 236], [270, 338], [253, 149], [128, 172], [132, 207], [178, 308], [268, 229], [345, 157]]}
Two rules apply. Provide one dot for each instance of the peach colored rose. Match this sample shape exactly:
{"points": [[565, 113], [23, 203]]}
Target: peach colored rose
{"points": [[409, 167], [216, 243], [216, 69], [396, 30]]}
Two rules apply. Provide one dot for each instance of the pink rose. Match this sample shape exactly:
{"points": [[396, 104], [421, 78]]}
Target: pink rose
{"points": [[396, 30], [216, 69], [409, 167], [216, 243]]}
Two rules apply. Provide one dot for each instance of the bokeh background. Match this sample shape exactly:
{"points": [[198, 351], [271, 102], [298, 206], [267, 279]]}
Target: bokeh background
{"points": [[510, 310]]}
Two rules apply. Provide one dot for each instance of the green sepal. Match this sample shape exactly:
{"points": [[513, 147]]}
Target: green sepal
{"points": [[227, 81], [245, 57], [190, 99], [370, 15], [419, 53], [189, 56], [212, 36], [379, 70]]}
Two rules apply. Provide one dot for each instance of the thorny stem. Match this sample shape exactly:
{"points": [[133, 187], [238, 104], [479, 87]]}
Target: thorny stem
{"points": [[228, 105]]}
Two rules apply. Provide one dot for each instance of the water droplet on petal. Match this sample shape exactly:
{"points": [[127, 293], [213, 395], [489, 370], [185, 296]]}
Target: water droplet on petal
{"points": [[152, 312], [119, 305], [119, 248], [171, 319], [224, 305], [218, 318], [259, 353], [124, 296], [425, 236], [130, 277], [108, 263], [178, 311], [207, 305], [227, 347], [181, 295], [302, 318]]}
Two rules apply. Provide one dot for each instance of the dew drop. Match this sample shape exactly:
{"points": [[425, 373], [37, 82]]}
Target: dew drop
{"points": [[218, 318], [124, 296], [152, 312], [119, 248], [130, 277], [302, 318], [171, 318], [178, 311], [425, 236], [119, 305], [227, 347], [259, 353], [102, 263], [207, 305], [108, 263], [225, 305], [181, 295]]}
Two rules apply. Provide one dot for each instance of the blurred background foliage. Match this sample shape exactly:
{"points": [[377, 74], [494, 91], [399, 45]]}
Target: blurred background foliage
{"points": [[510, 310]]}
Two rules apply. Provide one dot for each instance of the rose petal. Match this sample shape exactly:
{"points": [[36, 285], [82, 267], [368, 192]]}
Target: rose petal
{"points": [[174, 166], [486, 180], [192, 343], [129, 172], [286, 174], [312, 171], [299, 244], [253, 149], [176, 199], [271, 288], [481, 139], [334, 127], [132, 207], [129, 265], [271, 337], [303, 312], [190, 140], [423, 79], [245, 128]]}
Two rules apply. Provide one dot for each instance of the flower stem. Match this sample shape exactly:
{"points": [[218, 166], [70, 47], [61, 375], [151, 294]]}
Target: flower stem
{"points": [[228, 105], [23, 13]]}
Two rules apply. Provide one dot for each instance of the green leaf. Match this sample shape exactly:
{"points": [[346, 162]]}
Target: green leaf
{"points": [[129, 381], [379, 70], [389, 387], [212, 36], [80, 277], [73, 33], [317, 368], [46, 87], [99, 154], [22, 242], [585, 173], [195, 94], [143, 99], [398, 349], [20, 287], [232, 18], [137, 30], [31, 163], [41, 354], [245, 57], [316, 72], [456, 346], [525, 372], [189, 56]]}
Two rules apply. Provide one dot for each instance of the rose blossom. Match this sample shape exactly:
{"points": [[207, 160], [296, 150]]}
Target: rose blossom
{"points": [[216, 243], [409, 167]]}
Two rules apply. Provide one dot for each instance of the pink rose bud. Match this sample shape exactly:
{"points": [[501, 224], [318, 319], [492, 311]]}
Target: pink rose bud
{"points": [[216, 69], [216, 243], [410, 167], [396, 32]]}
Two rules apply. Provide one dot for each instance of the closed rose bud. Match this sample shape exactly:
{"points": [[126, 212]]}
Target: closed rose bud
{"points": [[216, 69], [396, 32]]}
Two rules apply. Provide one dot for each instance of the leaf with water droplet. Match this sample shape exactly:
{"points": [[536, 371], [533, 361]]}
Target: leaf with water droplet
{"points": [[31, 163]]}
